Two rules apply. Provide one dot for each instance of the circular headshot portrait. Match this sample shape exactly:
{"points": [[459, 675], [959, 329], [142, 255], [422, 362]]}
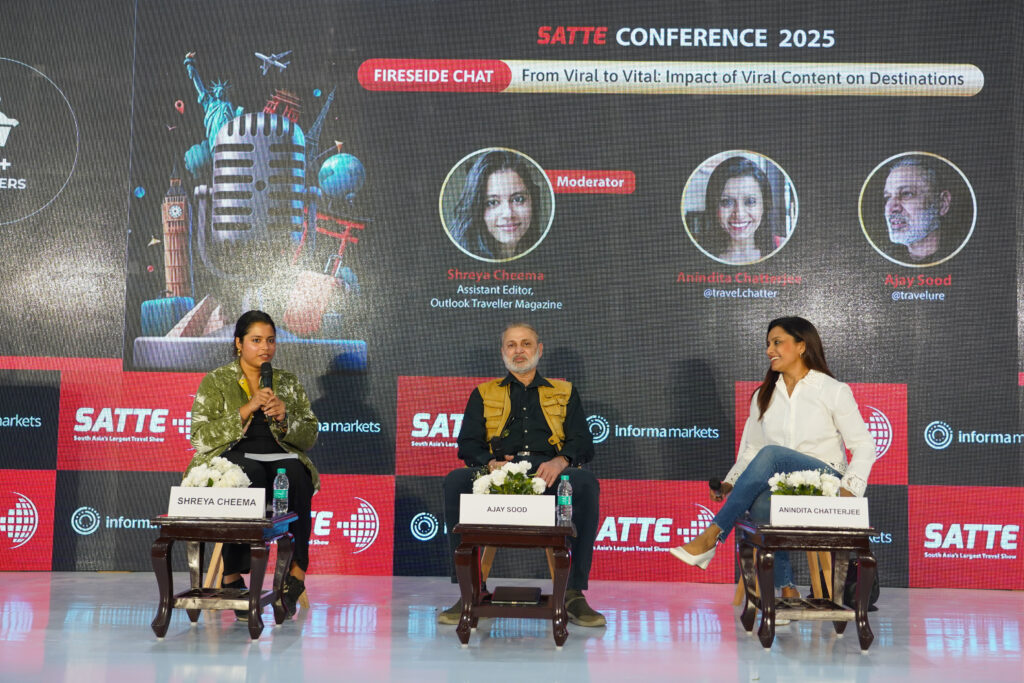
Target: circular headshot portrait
{"points": [[497, 204], [917, 209], [739, 207]]}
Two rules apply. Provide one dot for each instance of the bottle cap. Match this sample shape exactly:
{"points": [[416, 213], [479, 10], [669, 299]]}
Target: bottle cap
{"points": [[280, 470], [565, 477]]}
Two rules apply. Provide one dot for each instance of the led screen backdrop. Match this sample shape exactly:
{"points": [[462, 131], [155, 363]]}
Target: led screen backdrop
{"points": [[685, 172]]}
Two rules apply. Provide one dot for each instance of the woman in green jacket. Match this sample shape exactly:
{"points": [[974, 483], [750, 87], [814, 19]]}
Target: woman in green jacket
{"points": [[260, 429]]}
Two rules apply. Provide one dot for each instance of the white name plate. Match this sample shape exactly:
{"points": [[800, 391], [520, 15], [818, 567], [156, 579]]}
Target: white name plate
{"points": [[493, 508], [824, 511], [206, 501]]}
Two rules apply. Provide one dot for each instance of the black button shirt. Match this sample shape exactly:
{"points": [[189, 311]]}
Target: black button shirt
{"points": [[526, 428]]}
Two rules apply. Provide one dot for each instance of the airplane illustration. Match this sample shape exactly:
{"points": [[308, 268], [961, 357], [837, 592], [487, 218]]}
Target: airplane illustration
{"points": [[273, 60]]}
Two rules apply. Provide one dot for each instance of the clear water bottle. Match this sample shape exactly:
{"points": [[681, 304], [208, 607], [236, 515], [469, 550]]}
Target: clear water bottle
{"points": [[280, 492], [563, 502]]}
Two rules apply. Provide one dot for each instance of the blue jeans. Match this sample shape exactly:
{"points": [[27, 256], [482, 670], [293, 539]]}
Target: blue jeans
{"points": [[751, 492]]}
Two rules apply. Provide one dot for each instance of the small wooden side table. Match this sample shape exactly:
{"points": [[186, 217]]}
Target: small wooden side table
{"points": [[767, 540], [467, 568], [194, 531]]}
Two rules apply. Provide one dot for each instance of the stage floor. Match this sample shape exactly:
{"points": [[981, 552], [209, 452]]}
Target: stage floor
{"points": [[96, 627]]}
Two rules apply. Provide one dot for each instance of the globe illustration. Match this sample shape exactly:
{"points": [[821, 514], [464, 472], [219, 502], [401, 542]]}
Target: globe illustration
{"points": [[881, 430], [702, 522], [341, 177], [21, 521], [362, 526]]}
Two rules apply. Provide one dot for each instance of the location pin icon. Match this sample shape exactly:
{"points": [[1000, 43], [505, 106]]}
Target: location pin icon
{"points": [[180, 106]]}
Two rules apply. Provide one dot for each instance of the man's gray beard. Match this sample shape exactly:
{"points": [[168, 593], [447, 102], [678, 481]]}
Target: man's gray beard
{"points": [[522, 368], [916, 233]]}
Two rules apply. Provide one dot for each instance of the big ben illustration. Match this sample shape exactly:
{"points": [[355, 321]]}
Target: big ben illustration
{"points": [[176, 215]]}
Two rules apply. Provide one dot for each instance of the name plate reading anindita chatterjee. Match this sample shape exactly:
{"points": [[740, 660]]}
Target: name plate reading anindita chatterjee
{"points": [[196, 501], [823, 511], [496, 508]]}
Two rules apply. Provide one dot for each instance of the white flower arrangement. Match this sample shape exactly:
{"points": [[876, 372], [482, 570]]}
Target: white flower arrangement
{"points": [[219, 473], [510, 478], [804, 483]]}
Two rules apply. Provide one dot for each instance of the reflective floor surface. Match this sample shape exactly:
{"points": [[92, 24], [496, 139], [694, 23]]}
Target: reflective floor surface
{"points": [[96, 627]]}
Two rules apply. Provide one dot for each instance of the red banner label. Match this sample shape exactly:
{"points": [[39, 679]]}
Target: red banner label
{"points": [[593, 182], [434, 75], [966, 537], [26, 519], [353, 525], [428, 423]]}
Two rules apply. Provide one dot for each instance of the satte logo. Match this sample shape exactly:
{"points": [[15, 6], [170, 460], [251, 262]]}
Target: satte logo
{"points": [[972, 536], [441, 425]]}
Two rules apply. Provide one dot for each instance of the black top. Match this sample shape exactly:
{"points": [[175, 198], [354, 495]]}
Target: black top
{"points": [[258, 438], [526, 428]]}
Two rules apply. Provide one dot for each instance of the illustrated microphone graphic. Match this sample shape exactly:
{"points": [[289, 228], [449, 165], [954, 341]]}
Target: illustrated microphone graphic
{"points": [[266, 376], [258, 193]]}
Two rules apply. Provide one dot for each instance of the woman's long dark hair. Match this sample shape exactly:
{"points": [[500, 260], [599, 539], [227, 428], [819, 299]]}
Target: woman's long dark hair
{"points": [[468, 227], [715, 239], [814, 356], [247, 320]]}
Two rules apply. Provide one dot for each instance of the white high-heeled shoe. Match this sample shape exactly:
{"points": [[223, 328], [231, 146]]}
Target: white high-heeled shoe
{"points": [[701, 561]]}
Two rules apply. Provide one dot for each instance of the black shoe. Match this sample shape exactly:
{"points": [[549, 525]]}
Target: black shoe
{"points": [[239, 584], [290, 592]]}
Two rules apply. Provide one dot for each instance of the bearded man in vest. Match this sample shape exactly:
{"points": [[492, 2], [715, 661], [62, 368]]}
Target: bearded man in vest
{"points": [[524, 416]]}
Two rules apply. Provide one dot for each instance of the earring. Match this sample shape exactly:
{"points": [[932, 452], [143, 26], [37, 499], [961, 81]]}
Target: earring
{"points": [[238, 352]]}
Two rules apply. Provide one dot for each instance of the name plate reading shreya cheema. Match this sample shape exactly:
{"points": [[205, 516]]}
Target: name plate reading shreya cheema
{"points": [[206, 501], [824, 511], [494, 508]]}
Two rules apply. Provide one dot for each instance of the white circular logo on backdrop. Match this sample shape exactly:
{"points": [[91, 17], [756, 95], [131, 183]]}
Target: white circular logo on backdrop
{"points": [[362, 526], [599, 428], [881, 431], [21, 521], [38, 140], [424, 526], [85, 520], [938, 435]]}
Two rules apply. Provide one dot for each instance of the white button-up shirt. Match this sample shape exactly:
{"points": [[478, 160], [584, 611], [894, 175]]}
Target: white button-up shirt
{"points": [[816, 420]]}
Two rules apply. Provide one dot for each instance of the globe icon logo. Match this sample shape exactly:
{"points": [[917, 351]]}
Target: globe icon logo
{"points": [[880, 429], [599, 428], [362, 526], [698, 525], [21, 521]]}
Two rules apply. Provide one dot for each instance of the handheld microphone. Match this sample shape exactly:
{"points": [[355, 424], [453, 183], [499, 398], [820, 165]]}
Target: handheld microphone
{"points": [[267, 376], [715, 485]]}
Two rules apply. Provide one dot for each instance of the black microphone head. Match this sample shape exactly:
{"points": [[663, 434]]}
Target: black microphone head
{"points": [[715, 484], [267, 376]]}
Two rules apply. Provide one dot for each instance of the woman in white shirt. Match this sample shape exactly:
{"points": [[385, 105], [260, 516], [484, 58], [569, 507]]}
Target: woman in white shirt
{"points": [[801, 418]]}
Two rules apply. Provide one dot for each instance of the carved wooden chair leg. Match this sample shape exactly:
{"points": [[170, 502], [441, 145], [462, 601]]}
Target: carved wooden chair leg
{"points": [[215, 570], [740, 596]]}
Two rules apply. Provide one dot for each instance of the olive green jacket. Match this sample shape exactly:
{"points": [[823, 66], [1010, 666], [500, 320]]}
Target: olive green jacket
{"points": [[217, 424]]}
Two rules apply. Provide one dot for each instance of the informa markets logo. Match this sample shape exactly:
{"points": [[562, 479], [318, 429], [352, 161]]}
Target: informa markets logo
{"points": [[601, 429], [424, 526], [939, 435], [86, 520]]}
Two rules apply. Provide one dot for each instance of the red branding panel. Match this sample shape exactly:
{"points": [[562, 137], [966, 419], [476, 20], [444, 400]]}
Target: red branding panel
{"points": [[884, 409], [26, 519], [966, 537], [428, 423], [435, 75], [636, 531], [114, 420], [593, 182], [353, 525]]}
